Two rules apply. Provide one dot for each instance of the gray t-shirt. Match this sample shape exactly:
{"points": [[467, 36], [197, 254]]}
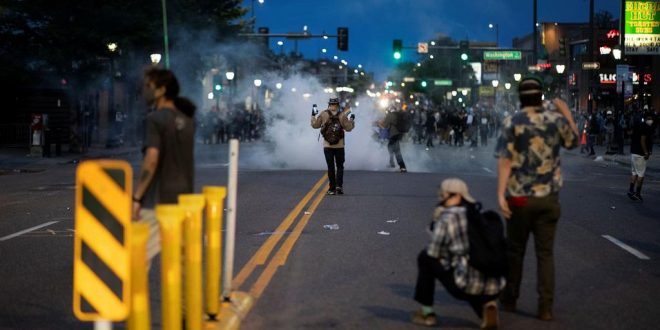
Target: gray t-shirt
{"points": [[172, 133]]}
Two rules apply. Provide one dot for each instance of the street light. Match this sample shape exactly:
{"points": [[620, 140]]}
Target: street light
{"points": [[495, 83], [112, 46], [257, 82], [278, 85], [517, 76], [155, 58], [230, 75], [497, 33], [560, 68], [616, 53], [507, 85], [464, 92], [454, 93]]}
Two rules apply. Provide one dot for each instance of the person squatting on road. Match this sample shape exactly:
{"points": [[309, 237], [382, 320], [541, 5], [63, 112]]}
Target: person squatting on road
{"points": [[168, 166], [529, 180], [398, 124], [333, 123], [641, 146], [446, 259]]}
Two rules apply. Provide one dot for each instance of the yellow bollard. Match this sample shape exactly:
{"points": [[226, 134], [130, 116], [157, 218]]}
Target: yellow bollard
{"points": [[215, 197], [193, 204], [170, 218], [139, 317]]}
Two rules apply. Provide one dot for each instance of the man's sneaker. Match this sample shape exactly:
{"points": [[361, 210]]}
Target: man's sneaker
{"points": [[490, 317], [632, 196], [403, 170], [429, 320], [331, 192], [339, 191], [639, 197]]}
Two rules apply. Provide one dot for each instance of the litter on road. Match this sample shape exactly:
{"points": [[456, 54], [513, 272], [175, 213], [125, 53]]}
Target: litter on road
{"points": [[331, 227], [383, 233]]}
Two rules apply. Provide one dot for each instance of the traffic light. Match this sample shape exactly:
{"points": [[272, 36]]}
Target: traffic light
{"points": [[464, 48], [562, 47], [424, 84], [217, 85], [397, 45], [342, 38], [264, 40]]}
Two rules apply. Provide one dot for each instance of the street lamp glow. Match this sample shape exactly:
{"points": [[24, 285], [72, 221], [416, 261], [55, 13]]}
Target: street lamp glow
{"points": [[293, 90], [432, 43], [454, 93], [490, 26], [431, 56], [560, 68], [616, 53], [460, 100], [155, 58], [257, 82], [278, 85], [517, 76], [335, 57], [325, 36], [496, 83], [356, 71], [464, 92], [261, 2], [419, 64], [230, 75], [360, 66], [464, 57], [324, 50], [507, 85], [280, 43], [210, 96], [424, 84], [112, 46]]}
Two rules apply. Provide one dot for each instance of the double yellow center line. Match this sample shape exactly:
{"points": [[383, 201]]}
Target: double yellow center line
{"points": [[279, 259]]}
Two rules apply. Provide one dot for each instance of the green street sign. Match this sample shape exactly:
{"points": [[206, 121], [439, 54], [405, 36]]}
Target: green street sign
{"points": [[444, 82], [504, 55]]}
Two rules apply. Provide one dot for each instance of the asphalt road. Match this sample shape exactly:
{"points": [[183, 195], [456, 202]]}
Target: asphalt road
{"points": [[362, 275]]}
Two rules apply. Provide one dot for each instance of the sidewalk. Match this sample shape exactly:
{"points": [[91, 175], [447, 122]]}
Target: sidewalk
{"points": [[653, 165], [15, 160]]}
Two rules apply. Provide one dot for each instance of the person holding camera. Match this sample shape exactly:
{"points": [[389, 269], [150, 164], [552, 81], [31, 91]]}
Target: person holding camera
{"points": [[333, 123], [529, 180]]}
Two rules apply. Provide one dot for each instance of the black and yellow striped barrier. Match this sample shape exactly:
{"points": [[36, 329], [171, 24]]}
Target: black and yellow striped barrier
{"points": [[101, 271]]}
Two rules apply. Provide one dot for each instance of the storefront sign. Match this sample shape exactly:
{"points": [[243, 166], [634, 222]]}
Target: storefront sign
{"points": [[642, 28]]}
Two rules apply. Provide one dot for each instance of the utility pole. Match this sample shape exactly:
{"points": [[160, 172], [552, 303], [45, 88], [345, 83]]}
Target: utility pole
{"points": [[590, 49], [535, 29], [165, 35]]}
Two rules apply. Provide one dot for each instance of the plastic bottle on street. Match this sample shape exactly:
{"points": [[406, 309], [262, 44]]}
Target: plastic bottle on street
{"points": [[331, 227]]}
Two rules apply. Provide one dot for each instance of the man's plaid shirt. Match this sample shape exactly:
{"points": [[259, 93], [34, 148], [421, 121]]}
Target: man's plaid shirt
{"points": [[450, 244]]}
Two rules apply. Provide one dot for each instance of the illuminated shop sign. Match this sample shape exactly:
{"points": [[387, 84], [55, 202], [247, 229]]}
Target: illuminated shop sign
{"points": [[642, 28]]}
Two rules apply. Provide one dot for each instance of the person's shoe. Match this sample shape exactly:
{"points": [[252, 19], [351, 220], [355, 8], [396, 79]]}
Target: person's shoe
{"points": [[632, 196], [429, 320], [491, 318], [403, 170], [331, 192], [508, 307], [545, 314], [339, 191], [639, 197]]}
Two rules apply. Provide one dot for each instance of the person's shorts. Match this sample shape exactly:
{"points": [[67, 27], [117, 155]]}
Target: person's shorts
{"points": [[148, 216], [638, 165]]}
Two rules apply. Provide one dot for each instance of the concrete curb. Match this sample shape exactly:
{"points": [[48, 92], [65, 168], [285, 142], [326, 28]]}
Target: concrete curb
{"points": [[232, 312]]}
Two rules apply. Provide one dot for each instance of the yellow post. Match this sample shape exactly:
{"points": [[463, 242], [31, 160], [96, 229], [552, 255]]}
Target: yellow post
{"points": [[192, 204], [170, 218], [215, 197], [139, 317]]}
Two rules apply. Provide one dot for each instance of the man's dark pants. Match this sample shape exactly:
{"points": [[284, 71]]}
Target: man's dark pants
{"points": [[332, 156], [430, 270], [539, 216], [393, 146]]}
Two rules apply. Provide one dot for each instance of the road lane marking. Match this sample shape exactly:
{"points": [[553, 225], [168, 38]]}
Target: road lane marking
{"points": [[487, 169], [8, 237], [264, 251], [627, 247], [283, 253]]}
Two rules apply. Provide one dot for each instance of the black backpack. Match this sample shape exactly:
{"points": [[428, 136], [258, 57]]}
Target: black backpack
{"points": [[487, 241], [403, 122], [332, 131]]}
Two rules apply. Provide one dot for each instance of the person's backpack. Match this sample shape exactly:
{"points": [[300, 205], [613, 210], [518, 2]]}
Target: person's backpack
{"points": [[332, 131], [487, 243], [403, 122]]}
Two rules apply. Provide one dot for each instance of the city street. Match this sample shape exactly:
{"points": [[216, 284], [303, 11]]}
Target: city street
{"points": [[362, 275]]}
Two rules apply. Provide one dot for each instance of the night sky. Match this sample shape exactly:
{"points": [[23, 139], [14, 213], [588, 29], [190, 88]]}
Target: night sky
{"points": [[373, 24]]}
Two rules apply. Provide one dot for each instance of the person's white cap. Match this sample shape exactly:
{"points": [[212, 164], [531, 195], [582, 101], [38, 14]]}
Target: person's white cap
{"points": [[457, 186]]}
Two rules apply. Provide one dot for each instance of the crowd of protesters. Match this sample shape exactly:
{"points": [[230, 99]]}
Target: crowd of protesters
{"points": [[219, 125]]}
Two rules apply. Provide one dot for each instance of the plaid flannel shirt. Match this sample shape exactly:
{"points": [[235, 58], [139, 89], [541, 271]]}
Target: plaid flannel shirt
{"points": [[450, 244]]}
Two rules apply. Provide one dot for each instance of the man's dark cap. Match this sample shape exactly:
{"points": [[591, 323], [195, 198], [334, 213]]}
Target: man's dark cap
{"points": [[530, 86], [333, 101]]}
